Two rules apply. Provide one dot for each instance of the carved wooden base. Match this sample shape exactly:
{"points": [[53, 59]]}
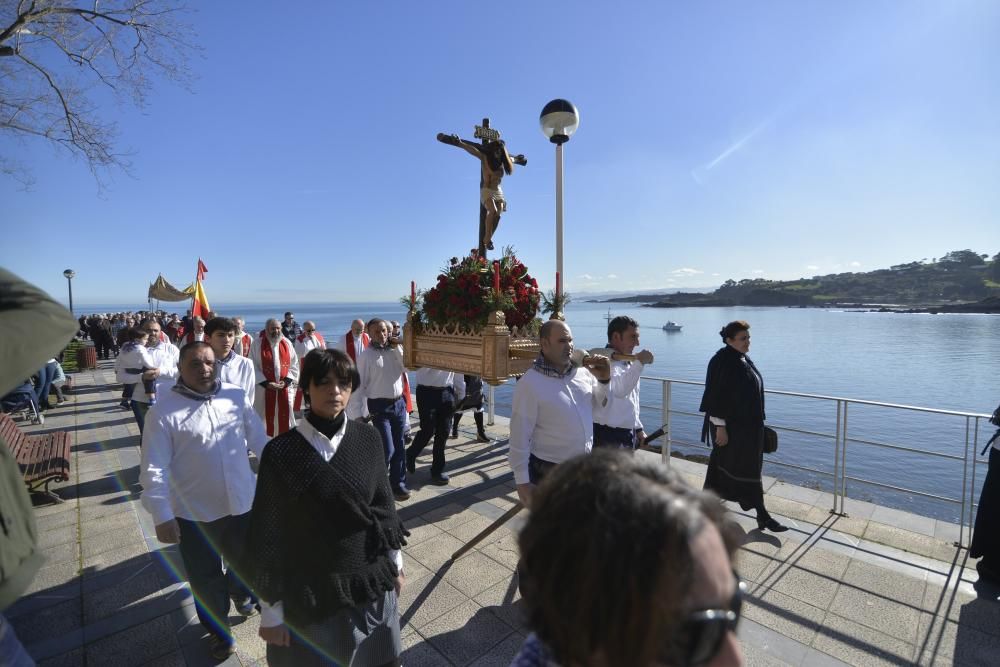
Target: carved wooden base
{"points": [[492, 353]]}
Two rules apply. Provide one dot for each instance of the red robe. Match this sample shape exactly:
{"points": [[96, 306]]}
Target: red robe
{"points": [[275, 400], [246, 341]]}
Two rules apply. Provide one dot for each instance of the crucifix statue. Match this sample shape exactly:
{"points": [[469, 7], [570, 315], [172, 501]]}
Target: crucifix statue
{"points": [[495, 161]]}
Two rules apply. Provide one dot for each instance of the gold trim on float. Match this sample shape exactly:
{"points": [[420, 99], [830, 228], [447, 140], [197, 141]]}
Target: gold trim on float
{"points": [[495, 353]]}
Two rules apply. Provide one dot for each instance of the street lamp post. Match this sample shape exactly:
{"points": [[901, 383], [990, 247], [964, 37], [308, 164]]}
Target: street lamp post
{"points": [[69, 273], [559, 121]]}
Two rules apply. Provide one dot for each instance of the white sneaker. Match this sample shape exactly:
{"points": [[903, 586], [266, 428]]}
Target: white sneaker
{"points": [[40, 420]]}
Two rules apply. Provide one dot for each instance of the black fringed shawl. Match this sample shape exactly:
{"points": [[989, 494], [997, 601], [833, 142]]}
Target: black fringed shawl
{"points": [[320, 533]]}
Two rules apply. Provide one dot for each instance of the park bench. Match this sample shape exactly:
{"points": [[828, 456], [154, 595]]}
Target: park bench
{"points": [[43, 459]]}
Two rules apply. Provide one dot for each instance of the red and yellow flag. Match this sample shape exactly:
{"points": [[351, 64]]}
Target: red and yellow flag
{"points": [[199, 306]]}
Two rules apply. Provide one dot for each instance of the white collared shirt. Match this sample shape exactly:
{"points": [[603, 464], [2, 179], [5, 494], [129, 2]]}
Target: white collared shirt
{"points": [[381, 372], [432, 377], [237, 369], [194, 456], [552, 418], [273, 614], [622, 408]]}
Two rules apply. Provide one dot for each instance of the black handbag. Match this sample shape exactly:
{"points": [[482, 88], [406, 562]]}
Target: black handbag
{"points": [[770, 440]]}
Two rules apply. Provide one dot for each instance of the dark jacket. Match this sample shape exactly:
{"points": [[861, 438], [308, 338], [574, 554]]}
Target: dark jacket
{"points": [[734, 390]]}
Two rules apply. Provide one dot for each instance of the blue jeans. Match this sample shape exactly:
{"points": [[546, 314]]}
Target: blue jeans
{"points": [[45, 377], [389, 418], [12, 651], [139, 409], [203, 547]]}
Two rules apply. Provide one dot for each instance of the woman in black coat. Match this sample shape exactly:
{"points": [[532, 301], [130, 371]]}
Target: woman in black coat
{"points": [[733, 404]]}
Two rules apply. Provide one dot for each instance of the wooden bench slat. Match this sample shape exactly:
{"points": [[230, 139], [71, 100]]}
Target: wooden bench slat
{"points": [[41, 458]]}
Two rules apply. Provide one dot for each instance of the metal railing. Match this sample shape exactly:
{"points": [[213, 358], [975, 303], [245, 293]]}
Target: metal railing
{"points": [[839, 477]]}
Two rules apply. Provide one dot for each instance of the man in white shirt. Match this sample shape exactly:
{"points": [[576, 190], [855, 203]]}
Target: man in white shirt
{"points": [[164, 354], [438, 392], [617, 423], [552, 412], [231, 368], [381, 369], [198, 486], [277, 370]]}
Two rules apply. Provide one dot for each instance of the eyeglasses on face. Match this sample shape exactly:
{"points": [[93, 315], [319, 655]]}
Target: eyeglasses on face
{"points": [[700, 636]]}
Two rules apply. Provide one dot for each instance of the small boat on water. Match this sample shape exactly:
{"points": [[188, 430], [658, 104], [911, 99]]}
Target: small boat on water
{"points": [[672, 326]]}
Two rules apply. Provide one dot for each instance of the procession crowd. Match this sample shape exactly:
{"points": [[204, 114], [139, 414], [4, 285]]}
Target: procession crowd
{"points": [[275, 462], [325, 430]]}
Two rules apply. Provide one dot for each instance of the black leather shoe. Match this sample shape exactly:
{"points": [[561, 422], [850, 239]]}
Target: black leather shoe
{"points": [[440, 479], [453, 436], [482, 437], [411, 462], [401, 493], [771, 524]]}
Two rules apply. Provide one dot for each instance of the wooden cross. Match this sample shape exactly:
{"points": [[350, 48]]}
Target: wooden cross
{"points": [[485, 134]]}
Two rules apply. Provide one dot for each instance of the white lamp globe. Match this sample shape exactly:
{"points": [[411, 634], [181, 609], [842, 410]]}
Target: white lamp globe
{"points": [[559, 120]]}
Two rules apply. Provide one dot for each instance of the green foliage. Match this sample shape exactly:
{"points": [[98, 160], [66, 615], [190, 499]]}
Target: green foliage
{"points": [[959, 275], [555, 303]]}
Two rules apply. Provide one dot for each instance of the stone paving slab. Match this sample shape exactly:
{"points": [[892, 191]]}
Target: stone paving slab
{"points": [[877, 586]]}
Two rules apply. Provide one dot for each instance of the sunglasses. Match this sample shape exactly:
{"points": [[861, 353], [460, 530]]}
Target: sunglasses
{"points": [[700, 636]]}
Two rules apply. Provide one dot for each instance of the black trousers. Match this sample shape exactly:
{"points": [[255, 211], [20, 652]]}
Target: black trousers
{"points": [[203, 547], [986, 536], [613, 437], [436, 406]]}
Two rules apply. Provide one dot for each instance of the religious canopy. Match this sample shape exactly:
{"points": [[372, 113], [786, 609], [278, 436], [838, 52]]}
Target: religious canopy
{"points": [[161, 290]]}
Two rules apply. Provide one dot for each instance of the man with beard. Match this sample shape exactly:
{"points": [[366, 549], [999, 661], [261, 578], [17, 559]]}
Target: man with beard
{"points": [[552, 411], [198, 486], [277, 369], [231, 368]]}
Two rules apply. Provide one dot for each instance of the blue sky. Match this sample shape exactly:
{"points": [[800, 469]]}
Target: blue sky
{"points": [[717, 140]]}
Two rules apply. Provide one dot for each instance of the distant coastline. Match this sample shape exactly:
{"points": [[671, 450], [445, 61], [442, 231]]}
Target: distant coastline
{"points": [[961, 281]]}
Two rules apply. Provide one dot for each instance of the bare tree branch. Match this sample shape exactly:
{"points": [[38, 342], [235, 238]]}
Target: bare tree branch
{"points": [[53, 53]]}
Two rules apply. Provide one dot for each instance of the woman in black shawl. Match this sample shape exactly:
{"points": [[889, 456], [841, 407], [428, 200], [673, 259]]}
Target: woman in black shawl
{"points": [[733, 404], [325, 539]]}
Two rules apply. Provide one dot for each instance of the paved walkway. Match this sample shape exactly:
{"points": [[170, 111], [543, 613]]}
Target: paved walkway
{"points": [[876, 587]]}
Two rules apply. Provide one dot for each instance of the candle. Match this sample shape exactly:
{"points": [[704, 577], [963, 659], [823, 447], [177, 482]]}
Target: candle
{"points": [[496, 275], [557, 284]]}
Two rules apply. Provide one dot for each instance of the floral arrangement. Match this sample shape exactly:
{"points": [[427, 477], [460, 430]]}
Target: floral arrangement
{"points": [[471, 288]]}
